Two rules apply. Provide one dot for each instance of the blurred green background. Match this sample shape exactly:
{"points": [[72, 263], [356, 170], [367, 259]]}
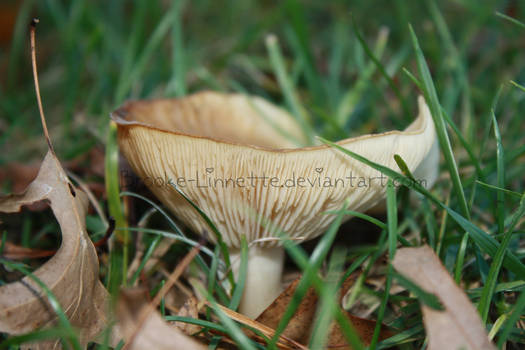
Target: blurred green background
{"points": [[92, 55]]}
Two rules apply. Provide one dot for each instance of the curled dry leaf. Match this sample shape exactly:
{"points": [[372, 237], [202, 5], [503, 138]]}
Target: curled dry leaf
{"points": [[154, 332], [71, 274], [459, 325], [299, 327]]}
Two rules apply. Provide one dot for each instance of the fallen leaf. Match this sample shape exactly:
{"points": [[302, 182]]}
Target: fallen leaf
{"points": [[71, 274], [154, 332], [283, 342], [299, 327], [189, 309], [459, 325]]}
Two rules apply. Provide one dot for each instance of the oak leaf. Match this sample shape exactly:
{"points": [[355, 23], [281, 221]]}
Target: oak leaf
{"points": [[72, 274]]}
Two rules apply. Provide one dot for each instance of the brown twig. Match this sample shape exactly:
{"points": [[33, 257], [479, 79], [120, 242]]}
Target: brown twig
{"points": [[32, 31], [107, 235]]}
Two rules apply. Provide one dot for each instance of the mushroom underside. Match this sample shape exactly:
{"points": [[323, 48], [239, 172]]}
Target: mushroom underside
{"points": [[250, 179]]}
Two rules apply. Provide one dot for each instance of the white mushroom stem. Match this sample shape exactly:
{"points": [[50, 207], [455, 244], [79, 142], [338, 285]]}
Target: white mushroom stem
{"points": [[263, 278]]}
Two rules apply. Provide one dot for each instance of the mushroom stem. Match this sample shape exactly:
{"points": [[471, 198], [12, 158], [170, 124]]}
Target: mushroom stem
{"points": [[263, 278]]}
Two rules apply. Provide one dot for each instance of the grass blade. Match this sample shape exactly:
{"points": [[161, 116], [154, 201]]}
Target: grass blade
{"points": [[519, 86], [368, 218], [354, 94], [465, 144], [36, 336], [118, 259], [310, 269], [380, 67], [299, 39], [172, 223], [497, 262], [401, 338], [391, 204], [173, 236], [511, 19], [429, 299], [277, 61], [139, 14], [431, 224], [430, 94], [177, 84], [486, 242], [147, 255], [460, 260], [458, 66], [435, 108], [519, 308], [231, 327], [197, 322], [502, 190], [211, 225], [500, 171], [154, 41], [326, 307], [316, 259]]}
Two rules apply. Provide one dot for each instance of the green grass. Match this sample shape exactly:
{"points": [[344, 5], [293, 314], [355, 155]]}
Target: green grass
{"points": [[391, 204], [337, 69]]}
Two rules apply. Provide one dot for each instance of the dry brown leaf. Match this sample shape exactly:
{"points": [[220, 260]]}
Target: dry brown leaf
{"points": [[283, 342], [299, 327], [189, 309], [459, 325], [154, 332], [71, 274]]}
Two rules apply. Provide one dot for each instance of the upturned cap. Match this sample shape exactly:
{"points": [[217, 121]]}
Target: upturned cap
{"points": [[236, 157]]}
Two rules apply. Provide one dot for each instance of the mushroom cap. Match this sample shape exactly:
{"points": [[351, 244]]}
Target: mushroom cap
{"points": [[232, 156]]}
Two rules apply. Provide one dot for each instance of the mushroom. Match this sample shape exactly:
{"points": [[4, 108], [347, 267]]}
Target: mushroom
{"points": [[231, 155]]}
